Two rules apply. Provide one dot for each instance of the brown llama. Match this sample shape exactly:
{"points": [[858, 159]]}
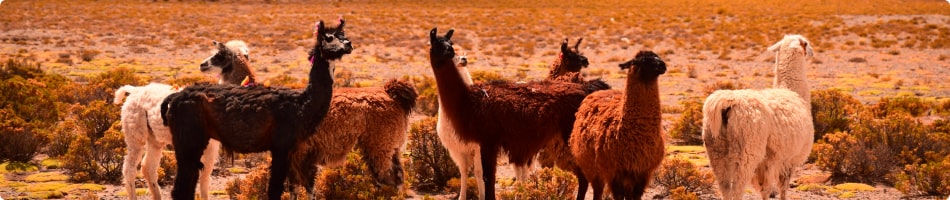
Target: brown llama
{"points": [[617, 137], [253, 119], [566, 67], [145, 134], [374, 120], [517, 118]]}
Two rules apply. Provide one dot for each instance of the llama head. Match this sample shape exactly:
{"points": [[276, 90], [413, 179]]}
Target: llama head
{"points": [[332, 43], [646, 65], [793, 44], [441, 46], [572, 60], [223, 56], [463, 60]]}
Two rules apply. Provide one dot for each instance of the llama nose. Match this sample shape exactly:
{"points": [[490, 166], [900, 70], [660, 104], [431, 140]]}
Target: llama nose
{"points": [[204, 66]]}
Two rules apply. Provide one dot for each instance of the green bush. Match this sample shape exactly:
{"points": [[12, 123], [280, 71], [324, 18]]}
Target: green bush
{"points": [[832, 110], [354, 181], [430, 166], [546, 183], [676, 173]]}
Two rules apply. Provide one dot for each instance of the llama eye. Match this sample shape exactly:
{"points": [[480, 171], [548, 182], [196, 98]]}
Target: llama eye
{"points": [[328, 37]]}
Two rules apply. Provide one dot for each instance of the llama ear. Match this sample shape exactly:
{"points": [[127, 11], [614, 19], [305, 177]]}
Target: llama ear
{"points": [[214, 42], [219, 45], [776, 46], [576, 46], [432, 36], [448, 35], [342, 22], [564, 46], [318, 27], [809, 52]]}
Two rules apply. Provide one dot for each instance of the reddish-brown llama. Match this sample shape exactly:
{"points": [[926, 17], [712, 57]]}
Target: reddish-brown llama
{"points": [[617, 137], [518, 118]]}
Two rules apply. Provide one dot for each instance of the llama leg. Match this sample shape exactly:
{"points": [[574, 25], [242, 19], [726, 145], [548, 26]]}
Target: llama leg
{"points": [[463, 164], [280, 164], [189, 163], [581, 184], [598, 187], [479, 175], [640, 183], [130, 166], [785, 180], [489, 155], [617, 188], [153, 158], [208, 159]]}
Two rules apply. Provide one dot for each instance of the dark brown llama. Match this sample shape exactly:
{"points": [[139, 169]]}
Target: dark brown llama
{"points": [[145, 133], [617, 137], [253, 119], [374, 120], [518, 118]]}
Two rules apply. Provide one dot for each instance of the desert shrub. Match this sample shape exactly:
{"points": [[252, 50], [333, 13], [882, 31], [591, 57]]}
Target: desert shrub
{"points": [[909, 104], [681, 193], [354, 181], [546, 183], [284, 80], [925, 179], [430, 165], [29, 96], [167, 168], [20, 143], [102, 86], [688, 129], [60, 137], [831, 111], [185, 81], [480, 76], [942, 107], [344, 78], [877, 146], [676, 172], [428, 100], [455, 184], [96, 153], [254, 185]]}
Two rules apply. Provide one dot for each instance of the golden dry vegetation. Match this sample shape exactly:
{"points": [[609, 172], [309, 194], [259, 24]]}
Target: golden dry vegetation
{"points": [[866, 49]]}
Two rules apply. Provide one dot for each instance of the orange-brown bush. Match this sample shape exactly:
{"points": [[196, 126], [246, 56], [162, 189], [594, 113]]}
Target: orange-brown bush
{"points": [[353, 181], [832, 110], [908, 104], [546, 183], [877, 146], [430, 166], [688, 129], [20, 143], [102, 86], [428, 101], [676, 172], [931, 178], [97, 157], [254, 185]]}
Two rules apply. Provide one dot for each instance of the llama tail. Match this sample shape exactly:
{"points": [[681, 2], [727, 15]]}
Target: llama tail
{"points": [[122, 92], [403, 92], [595, 85], [716, 112], [165, 105]]}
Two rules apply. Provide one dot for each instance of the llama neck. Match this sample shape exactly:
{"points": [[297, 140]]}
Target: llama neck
{"points": [[466, 77], [452, 87], [556, 69], [641, 98], [790, 74], [240, 69], [320, 88]]}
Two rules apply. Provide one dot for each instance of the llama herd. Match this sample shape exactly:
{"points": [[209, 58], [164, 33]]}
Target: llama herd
{"points": [[605, 137]]}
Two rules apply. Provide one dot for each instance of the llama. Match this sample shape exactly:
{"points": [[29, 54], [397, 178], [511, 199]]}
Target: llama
{"points": [[617, 137], [146, 135], [771, 130], [517, 118], [230, 62], [255, 118], [566, 67], [374, 120]]}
